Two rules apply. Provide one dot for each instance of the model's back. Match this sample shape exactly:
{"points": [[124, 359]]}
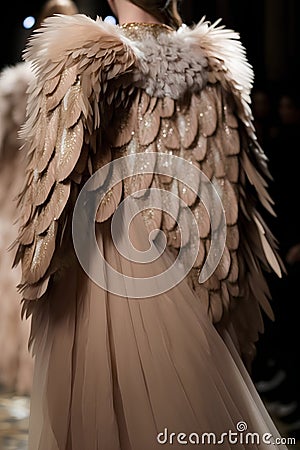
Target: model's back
{"points": [[145, 112]]}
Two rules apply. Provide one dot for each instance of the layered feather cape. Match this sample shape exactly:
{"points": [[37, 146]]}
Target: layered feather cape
{"points": [[185, 93]]}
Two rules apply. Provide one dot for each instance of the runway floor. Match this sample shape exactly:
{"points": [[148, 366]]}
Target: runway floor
{"points": [[14, 420]]}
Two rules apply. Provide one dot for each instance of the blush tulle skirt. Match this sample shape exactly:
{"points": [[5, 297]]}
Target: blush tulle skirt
{"points": [[119, 373]]}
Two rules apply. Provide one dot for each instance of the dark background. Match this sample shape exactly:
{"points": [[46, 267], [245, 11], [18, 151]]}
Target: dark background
{"points": [[268, 29]]}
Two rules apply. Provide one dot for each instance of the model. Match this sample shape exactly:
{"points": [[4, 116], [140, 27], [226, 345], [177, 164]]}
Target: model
{"points": [[134, 130]]}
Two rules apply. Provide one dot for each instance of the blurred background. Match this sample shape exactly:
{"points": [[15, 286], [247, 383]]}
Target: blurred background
{"points": [[269, 30]]}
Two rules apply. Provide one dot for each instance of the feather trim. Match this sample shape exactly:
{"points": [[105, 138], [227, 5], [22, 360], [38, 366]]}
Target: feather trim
{"points": [[186, 59], [168, 64], [61, 36], [225, 54]]}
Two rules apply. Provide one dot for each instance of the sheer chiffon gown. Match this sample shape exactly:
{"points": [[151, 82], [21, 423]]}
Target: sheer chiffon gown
{"points": [[115, 370]]}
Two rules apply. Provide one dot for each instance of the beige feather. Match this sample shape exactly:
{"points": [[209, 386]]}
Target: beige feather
{"points": [[173, 206], [200, 149], [202, 219], [109, 203], [37, 257], [53, 209], [232, 237], [232, 169], [44, 183], [67, 79], [42, 158], [268, 249], [68, 149], [207, 112], [35, 291]]}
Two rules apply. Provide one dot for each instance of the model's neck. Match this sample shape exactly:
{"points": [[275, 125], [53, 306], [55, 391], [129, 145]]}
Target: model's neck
{"points": [[133, 13]]}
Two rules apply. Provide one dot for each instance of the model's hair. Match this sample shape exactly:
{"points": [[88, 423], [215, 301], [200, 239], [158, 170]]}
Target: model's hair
{"points": [[51, 7], [164, 10]]}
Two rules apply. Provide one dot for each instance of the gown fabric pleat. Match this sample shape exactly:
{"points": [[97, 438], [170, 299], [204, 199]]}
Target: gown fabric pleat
{"points": [[112, 372]]}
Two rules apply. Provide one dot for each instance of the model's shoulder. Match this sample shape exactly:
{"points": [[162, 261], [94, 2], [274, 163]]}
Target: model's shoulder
{"points": [[62, 35], [224, 52], [72, 24]]}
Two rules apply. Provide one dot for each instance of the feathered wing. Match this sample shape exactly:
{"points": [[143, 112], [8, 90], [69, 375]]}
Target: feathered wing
{"points": [[250, 243], [236, 293], [61, 131], [227, 151], [213, 130]]}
